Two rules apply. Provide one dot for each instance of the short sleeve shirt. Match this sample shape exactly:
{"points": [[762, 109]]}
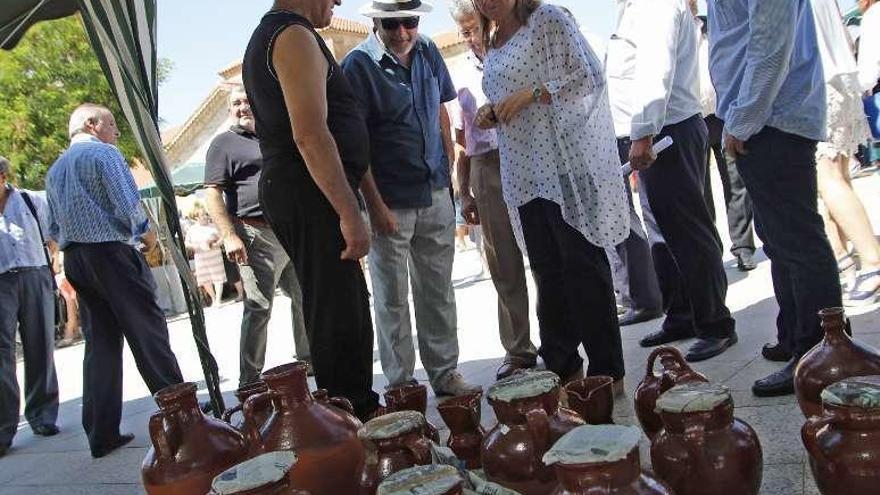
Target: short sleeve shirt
{"points": [[233, 164], [402, 110]]}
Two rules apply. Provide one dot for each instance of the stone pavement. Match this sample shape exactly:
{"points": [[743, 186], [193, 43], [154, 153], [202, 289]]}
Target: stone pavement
{"points": [[62, 464]]}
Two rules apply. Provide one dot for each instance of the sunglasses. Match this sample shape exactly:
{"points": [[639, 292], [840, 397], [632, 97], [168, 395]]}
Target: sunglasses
{"points": [[392, 23]]}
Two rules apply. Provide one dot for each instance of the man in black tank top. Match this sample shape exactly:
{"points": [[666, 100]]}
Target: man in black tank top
{"points": [[315, 151]]}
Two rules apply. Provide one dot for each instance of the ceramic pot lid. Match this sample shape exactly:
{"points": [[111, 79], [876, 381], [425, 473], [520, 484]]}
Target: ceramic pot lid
{"points": [[257, 472], [591, 444], [692, 397], [858, 391], [434, 479], [523, 385], [392, 425]]}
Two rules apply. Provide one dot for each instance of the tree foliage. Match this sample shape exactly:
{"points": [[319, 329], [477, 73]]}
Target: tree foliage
{"points": [[42, 80]]}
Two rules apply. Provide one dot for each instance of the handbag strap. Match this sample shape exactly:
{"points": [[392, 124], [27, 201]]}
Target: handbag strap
{"points": [[33, 209]]}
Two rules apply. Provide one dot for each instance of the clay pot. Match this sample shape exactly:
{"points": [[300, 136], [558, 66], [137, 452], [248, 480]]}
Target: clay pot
{"points": [[321, 395], [702, 449], [189, 448], [837, 357], [529, 422], [412, 397], [462, 416], [436, 479], [393, 442], [602, 460], [675, 371], [324, 437], [242, 395], [844, 443], [266, 474], [593, 398]]}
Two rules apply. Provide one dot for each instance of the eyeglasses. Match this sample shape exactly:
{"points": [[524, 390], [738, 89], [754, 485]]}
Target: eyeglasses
{"points": [[392, 23]]}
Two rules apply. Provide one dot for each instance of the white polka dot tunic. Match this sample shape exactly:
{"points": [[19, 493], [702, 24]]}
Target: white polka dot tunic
{"points": [[565, 152]]}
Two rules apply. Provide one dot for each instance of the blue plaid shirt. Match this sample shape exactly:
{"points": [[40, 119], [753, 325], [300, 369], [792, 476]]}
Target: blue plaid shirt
{"points": [[92, 196], [764, 62]]}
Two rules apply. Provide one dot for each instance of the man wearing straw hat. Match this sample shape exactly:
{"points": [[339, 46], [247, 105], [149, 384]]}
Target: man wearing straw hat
{"points": [[402, 83]]}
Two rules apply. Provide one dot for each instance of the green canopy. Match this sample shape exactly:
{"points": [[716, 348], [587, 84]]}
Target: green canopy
{"points": [[123, 35], [186, 180]]}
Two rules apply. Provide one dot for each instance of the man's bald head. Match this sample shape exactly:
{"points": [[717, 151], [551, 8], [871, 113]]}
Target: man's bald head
{"points": [[97, 120]]}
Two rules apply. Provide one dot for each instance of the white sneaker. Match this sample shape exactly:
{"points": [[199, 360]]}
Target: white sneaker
{"points": [[453, 384]]}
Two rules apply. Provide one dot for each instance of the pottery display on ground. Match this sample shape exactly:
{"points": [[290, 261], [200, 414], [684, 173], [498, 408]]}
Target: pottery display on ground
{"points": [[413, 397], [844, 442], [593, 398], [266, 474], [675, 371], [462, 415], [392, 442], [530, 421], [602, 460], [189, 448], [836, 357], [242, 395], [324, 437], [435, 479], [703, 449]]}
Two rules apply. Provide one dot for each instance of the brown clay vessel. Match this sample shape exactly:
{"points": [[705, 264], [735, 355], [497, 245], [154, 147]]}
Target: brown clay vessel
{"points": [[593, 398], [392, 442], [435, 479], [242, 395], [836, 357], [189, 448], [675, 371], [413, 397], [462, 416], [266, 474]]}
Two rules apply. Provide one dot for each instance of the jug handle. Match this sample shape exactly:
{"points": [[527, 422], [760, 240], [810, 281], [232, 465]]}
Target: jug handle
{"points": [[158, 436], [694, 435], [342, 403], [227, 414], [420, 448], [652, 358], [809, 435], [539, 427], [249, 426]]}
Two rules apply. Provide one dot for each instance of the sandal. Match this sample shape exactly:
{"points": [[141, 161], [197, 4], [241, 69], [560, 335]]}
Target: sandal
{"points": [[847, 270], [858, 297]]}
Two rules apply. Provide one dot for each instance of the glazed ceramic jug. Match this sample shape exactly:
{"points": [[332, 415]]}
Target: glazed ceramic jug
{"points": [[529, 422], [593, 398], [462, 415], [392, 442], [844, 442], [189, 448], [266, 474], [702, 449], [324, 437], [601, 460], [675, 371], [435, 479], [837, 357], [242, 395], [323, 397], [413, 397]]}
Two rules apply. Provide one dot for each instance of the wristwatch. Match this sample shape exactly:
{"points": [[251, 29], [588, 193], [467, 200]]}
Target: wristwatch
{"points": [[537, 93]]}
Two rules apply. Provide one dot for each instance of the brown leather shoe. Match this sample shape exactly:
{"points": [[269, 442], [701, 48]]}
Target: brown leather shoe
{"points": [[511, 366]]}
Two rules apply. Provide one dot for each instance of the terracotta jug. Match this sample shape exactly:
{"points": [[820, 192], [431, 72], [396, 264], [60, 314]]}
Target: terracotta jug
{"points": [[837, 357], [462, 415], [189, 448], [529, 422], [844, 443], [413, 397], [324, 437], [602, 460], [266, 474], [321, 395], [435, 479], [593, 398], [675, 371], [242, 395], [702, 449], [392, 442]]}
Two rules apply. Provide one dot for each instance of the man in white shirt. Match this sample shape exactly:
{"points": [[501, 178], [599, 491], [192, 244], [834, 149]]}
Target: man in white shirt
{"points": [[653, 81], [869, 46]]}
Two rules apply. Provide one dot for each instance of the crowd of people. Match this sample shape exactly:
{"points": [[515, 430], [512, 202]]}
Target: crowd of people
{"points": [[327, 163]]}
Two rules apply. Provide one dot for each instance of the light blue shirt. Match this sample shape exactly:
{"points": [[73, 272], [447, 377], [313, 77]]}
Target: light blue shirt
{"points": [[20, 242], [764, 62], [92, 196]]}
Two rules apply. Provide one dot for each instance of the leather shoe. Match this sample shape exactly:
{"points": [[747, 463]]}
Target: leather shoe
{"points": [[661, 337], [775, 353], [45, 430], [778, 383], [704, 349], [745, 261], [633, 316], [3, 450], [103, 450], [511, 366]]}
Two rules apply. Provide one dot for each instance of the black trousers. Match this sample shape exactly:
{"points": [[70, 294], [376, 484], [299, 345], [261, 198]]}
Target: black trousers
{"points": [[335, 300], [117, 299], [686, 247], [736, 198], [575, 294], [631, 265], [780, 174]]}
